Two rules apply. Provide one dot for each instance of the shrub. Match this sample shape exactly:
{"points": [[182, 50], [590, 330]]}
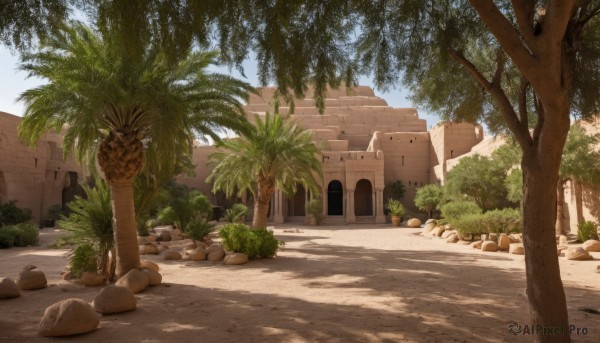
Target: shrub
{"points": [[236, 213], [167, 216], [10, 214], [587, 230], [496, 221], [199, 228], [240, 238], [83, 259], [314, 207], [26, 234], [7, 236], [456, 209]]}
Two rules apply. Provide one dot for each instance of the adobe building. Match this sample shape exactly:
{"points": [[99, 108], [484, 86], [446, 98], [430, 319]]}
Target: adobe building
{"points": [[37, 177], [365, 145]]}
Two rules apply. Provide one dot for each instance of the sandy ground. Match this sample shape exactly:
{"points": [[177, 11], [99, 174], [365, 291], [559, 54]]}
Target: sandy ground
{"points": [[358, 283]]}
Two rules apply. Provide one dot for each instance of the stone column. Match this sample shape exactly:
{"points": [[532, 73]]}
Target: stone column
{"points": [[350, 217], [379, 215], [278, 215]]}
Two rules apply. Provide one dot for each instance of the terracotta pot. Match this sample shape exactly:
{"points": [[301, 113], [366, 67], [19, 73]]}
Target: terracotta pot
{"points": [[396, 220]]}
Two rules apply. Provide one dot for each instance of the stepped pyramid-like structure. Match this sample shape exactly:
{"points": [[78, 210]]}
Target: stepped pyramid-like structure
{"points": [[366, 144]]}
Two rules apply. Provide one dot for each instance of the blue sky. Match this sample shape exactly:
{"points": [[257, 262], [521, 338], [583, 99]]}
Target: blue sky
{"points": [[14, 82]]}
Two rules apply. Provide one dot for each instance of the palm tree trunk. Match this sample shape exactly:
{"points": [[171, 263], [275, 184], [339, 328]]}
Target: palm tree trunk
{"points": [[577, 189], [559, 225], [127, 252], [261, 205]]}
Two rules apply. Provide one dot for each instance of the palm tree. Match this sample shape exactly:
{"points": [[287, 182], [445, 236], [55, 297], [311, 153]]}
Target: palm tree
{"points": [[277, 154], [127, 111]]}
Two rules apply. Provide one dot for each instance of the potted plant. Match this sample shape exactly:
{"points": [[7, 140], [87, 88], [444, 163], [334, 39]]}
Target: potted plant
{"points": [[396, 211]]}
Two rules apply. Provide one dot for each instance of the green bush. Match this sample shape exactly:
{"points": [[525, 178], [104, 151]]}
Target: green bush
{"points": [[314, 207], [7, 236], [507, 220], [27, 234], [587, 230], [395, 208], [83, 259], [198, 228], [240, 238], [456, 209], [10, 214]]}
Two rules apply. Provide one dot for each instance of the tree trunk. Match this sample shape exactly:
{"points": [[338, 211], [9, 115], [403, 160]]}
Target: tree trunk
{"points": [[559, 225], [127, 252], [545, 290], [261, 205], [577, 189]]}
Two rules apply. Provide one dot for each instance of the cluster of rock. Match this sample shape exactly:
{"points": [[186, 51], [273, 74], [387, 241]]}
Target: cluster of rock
{"points": [[206, 250], [75, 316], [28, 279], [577, 253], [511, 243]]}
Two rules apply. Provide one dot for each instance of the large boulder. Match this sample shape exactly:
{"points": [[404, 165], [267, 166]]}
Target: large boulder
{"points": [[236, 259], [503, 242], [489, 246], [135, 280], [147, 264], [68, 317], [171, 255], [165, 236], [91, 279], [577, 254], [114, 299], [516, 249], [437, 231], [148, 249], [154, 278], [429, 221], [31, 279], [516, 238], [447, 234], [215, 252], [453, 238], [428, 227], [197, 255], [591, 245], [8, 288], [413, 222]]}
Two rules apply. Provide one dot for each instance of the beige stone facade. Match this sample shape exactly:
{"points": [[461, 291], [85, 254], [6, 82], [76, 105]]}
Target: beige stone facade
{"points": [[365, 144], [37, 177]]}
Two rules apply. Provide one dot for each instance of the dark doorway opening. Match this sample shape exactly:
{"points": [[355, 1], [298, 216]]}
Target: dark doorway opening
{"points": [[335, 198], [363, 198]]}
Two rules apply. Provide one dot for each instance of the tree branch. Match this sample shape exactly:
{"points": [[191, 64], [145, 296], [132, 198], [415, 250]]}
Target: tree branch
{"points": [[539, 109], [495, 90], [558, 14], [523, 115], [506, 34], [500, 63], [525, 12]]}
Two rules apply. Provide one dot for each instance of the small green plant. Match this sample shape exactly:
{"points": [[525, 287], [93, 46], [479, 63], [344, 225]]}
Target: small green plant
{"points": [[7, 236], [10, 214], [199, 228], [83, 259], [395, 208], [507, 220], [587, 230], [240, 238], [314, 207], [26, 234], [456, 209], [236, 213]]}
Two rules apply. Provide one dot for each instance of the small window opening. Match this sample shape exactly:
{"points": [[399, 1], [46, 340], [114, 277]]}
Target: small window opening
{"points": [[402, 160], [36, 160]]}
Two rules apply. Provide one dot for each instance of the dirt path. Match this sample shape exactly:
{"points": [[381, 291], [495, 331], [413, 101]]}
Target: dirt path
{"points": [[360, 283]]}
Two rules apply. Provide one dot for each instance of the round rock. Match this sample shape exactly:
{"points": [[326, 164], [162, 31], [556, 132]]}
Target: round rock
{"points": [[68, 317], [171, 255], [236, 259], [91, 279], [577, 254], [147, 264], [591, 245], [31, 279], [8, 288], [489, 246], [154, 278], [215, 252], [135, 280], [413, 222], [114, 299]]}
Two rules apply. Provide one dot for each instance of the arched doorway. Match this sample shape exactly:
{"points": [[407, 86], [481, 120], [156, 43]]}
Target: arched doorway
{"points": [[335, 198], [297, 202], [363, 198]]}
